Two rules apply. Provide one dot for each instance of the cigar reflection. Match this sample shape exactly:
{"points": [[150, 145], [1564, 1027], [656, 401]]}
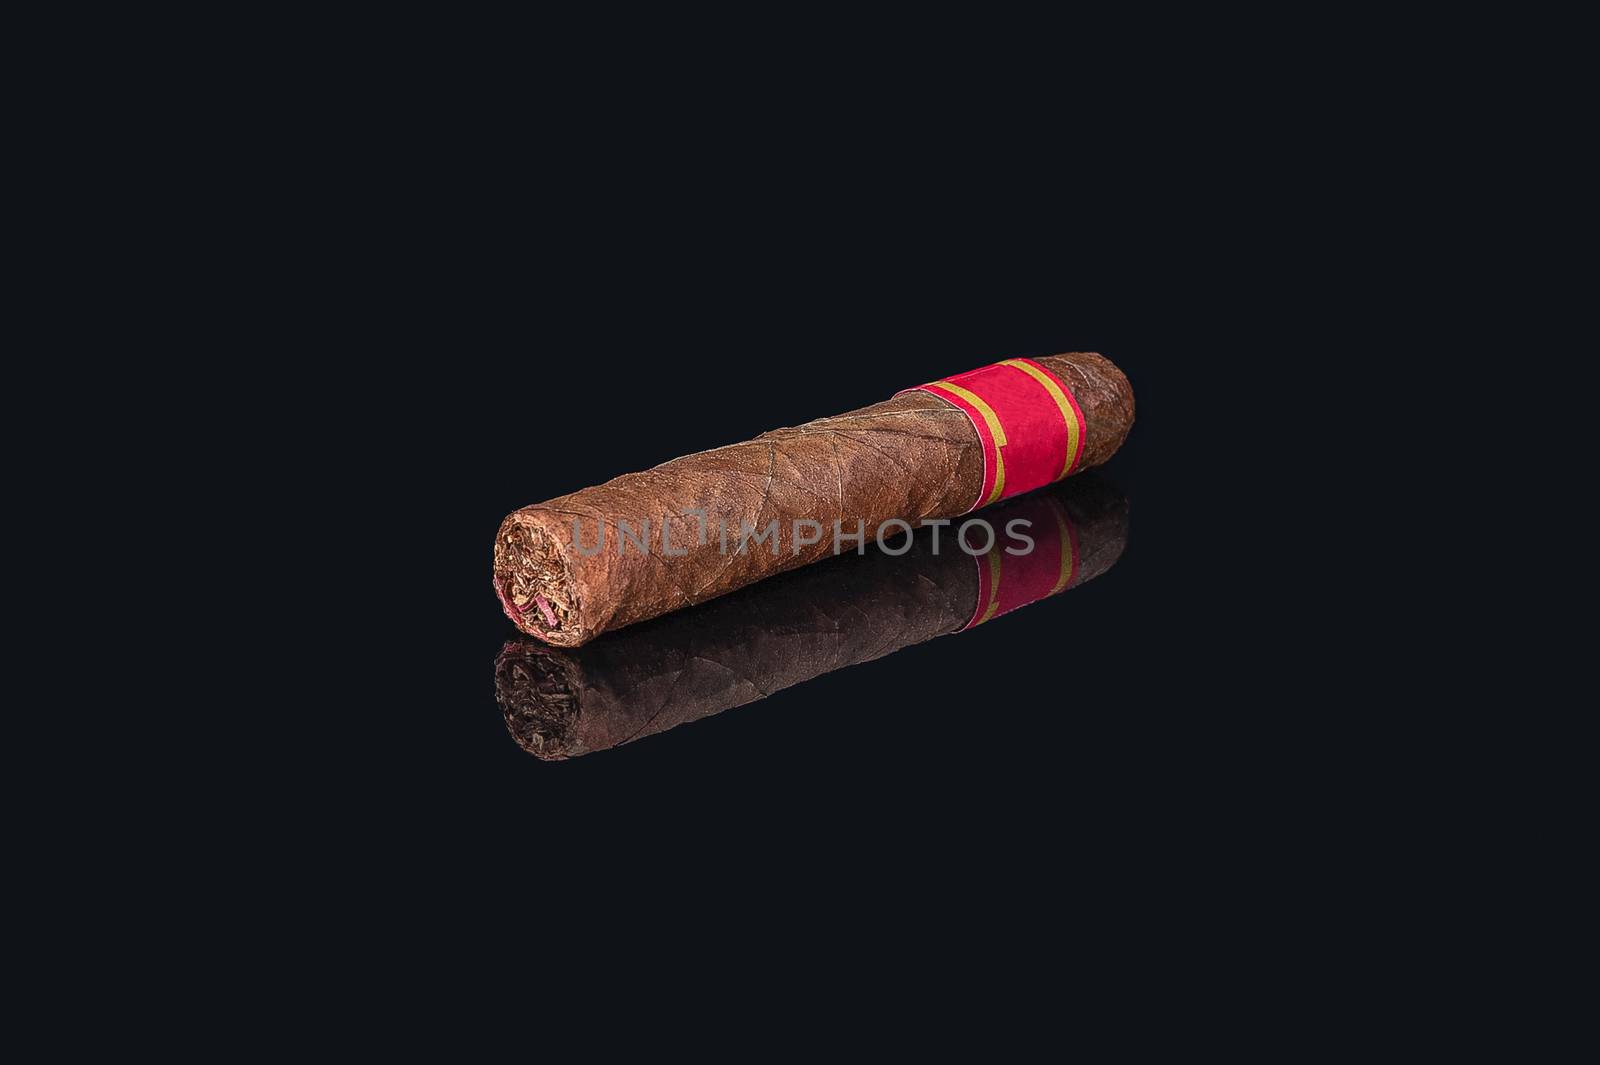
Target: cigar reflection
{"points": [[784, 631]]}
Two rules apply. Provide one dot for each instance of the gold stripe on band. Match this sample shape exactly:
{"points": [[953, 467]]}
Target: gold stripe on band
{"points": [[1066, 547], [1073, 428], [995, 430], [994, 586]]}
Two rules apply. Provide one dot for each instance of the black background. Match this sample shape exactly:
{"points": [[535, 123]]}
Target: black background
{"points": [[503, 321], [419, 314], [468, 341], [409, 315]]}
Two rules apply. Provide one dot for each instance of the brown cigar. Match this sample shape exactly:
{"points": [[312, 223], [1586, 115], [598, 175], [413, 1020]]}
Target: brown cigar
{"points": [[840, 612], [647, 543]]}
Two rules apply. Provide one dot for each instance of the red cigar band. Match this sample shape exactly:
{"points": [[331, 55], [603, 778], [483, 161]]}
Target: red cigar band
{"points": [[1007, 581], [1030, 425]]}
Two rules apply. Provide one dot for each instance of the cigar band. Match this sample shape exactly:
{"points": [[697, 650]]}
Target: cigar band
{"points": [[1007, 581], [1030, 425]]}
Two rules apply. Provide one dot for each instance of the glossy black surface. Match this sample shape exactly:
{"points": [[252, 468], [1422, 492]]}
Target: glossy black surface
{"points": [[1137, 712], [1097, 696]]}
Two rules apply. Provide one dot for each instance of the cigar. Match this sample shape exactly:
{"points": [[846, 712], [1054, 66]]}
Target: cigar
{"points": [[663, 673], [707, 524]]}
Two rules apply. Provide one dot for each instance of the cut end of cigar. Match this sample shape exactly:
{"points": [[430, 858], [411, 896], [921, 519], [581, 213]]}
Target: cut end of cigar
{"points": [[1103, 391], [533, 583], [537, 693]]}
